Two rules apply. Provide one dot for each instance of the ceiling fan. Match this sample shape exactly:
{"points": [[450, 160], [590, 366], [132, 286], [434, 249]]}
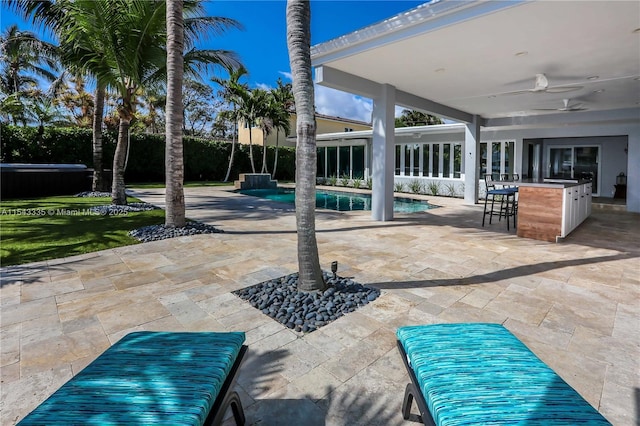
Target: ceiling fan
{"points": [[567, 107], [541, 85]]}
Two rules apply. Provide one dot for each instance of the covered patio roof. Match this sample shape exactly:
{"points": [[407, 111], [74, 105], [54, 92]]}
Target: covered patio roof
{"points": [[459, 59]]}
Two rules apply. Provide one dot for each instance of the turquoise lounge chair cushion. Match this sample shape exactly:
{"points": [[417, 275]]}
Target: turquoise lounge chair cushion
{"points": [[146, 378], [482, 374]]}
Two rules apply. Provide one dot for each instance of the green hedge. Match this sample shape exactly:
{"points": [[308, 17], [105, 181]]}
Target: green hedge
{"points": [[203, 159]]}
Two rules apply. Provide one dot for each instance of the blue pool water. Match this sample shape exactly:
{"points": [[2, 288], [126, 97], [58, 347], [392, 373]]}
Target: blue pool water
{"points": [[340, 201]]}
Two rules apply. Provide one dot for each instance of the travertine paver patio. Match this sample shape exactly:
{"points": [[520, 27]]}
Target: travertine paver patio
{"points": [[575, 304]]}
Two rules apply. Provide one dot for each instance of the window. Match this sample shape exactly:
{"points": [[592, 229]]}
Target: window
{"points": [[483, 160], [358, 161], [425, 159], [398, 151], [348, 129], [446, 160], [332, 161], [501, 161], [345, 161], [435, 165], [407, 160], [457, 160], [321, 162], [496, 152]]}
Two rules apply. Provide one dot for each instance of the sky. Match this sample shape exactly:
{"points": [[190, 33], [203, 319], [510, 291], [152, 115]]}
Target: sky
{"points": [[262, 46]]}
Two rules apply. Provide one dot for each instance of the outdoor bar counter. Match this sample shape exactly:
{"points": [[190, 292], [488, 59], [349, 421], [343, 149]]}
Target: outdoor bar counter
{"points": [[550, 209]]}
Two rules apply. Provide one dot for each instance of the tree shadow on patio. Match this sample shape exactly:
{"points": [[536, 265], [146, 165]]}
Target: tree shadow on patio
{"points": [[503, 274]]}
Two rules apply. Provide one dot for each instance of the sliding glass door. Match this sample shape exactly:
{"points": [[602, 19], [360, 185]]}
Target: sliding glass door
{"points": [[575, 162]]}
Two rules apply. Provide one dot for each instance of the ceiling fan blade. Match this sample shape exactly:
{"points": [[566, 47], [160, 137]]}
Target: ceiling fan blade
{"points": [[563, 89], [574, 108]]}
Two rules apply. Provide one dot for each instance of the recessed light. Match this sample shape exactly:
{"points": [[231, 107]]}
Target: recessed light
{"points": [[593, 77], [439, 70], [523, 53], [598, 91]]}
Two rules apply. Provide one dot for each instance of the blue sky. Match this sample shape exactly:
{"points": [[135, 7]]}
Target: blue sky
{"points": [[262, 44]]}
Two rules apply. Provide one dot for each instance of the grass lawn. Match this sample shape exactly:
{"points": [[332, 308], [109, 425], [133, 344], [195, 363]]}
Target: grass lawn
{"points": [[38, 229]]}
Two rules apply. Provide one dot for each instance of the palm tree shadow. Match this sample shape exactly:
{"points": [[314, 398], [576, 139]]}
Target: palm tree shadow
{"points": [[503, 274]]}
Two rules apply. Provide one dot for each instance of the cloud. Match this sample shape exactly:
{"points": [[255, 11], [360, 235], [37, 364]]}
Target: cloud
{"points": [[342, 104]]}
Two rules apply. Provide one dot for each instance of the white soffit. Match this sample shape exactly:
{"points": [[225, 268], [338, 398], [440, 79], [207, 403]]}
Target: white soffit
{"points": [[467, 55]]}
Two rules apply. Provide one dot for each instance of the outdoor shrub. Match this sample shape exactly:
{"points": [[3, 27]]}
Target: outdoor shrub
{"points": [[415, 186], [398, 187], [203, 159], [344, 180], [333, 180], [451, 189], [369, 182], [357, 183], [433, 188]]}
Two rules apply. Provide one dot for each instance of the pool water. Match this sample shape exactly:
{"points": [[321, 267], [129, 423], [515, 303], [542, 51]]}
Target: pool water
{"points": [[340, 201]]}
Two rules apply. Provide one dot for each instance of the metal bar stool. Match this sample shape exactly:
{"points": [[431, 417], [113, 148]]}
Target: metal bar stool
{"points": [[507, 199]]}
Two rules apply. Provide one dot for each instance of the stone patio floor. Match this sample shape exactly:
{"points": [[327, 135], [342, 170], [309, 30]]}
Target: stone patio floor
{"points": [[575, 304]]}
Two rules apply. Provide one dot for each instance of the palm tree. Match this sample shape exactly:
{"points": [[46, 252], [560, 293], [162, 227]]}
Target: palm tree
{"points": [[298, 43], [251, 105], [122, 44], [22, 52], [24, 58], [174, 160], [284, 99], [265, 122], [231, 89]]}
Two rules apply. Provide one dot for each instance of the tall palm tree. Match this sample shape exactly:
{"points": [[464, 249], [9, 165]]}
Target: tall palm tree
{"points": [[23, 59], [174, 160], [251, 104], [284, 99], [231, 89], [122, 43], [298, 43], [265, 122], [23, 52]]}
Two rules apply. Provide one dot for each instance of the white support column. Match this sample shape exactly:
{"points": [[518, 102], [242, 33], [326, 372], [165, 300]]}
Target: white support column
{"points": [[472, 160], [383, 163], [633, 172]]}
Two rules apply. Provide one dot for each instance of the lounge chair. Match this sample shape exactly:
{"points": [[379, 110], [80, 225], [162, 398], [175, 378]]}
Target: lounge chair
{"points": [[464, 374], [151, 378]]}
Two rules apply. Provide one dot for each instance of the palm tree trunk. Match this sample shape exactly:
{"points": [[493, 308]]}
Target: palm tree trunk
{"points": [[264, 153], [298, 42], [98, 174], [233, 151], [118, 195], [253, 167], [275, 160], [174, 161]]}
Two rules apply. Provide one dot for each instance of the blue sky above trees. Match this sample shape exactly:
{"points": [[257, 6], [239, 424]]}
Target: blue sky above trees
{"points": [[262, 44]]}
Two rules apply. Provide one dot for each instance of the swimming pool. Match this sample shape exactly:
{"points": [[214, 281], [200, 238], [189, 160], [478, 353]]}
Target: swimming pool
{"points": [[340, 201]]}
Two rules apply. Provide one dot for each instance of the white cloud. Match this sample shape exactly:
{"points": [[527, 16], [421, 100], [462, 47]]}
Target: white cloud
{"points": [[342, 104]]}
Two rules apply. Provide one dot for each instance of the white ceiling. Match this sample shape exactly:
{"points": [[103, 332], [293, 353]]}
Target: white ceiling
{"points": [[467, 55]]}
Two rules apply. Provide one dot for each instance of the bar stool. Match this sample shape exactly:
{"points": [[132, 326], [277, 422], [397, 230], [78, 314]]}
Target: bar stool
{"points": [[506, 196]]}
